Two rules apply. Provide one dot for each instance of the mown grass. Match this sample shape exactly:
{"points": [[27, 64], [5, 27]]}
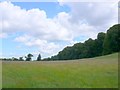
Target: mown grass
{"points": [[100, 72], [0, 74]]}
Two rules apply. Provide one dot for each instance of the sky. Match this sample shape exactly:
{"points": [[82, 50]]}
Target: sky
{"points": [[48, 27]]}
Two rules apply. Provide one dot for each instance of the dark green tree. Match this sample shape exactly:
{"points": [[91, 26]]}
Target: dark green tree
{"points": [[111, 42], [21, 59], [89, 49], [14, 59], [39, 57], [29, 57], [99, 44]]}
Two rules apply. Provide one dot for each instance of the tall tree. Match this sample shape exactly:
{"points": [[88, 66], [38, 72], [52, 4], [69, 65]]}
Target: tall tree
{"points": [[39, 57]]}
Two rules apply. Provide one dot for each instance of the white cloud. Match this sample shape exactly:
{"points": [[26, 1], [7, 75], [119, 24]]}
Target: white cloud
{"points": [[44, 46], [33, 21], [23, 39], [119, 12], [84, 20], [94, 13]]}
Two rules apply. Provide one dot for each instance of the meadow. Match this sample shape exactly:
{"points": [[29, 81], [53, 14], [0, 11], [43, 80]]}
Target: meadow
{"points": [[0, 74], [99, 72]]}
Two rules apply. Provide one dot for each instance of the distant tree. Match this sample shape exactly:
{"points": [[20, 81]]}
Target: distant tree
{"points": [[12, 59], [29, 57], [4, 59], [15, 59], [21, 59], [46, 59], [39, 57]]}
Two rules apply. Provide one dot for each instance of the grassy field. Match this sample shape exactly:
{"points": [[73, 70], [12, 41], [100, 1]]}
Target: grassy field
{"points": [[100, 72], [0, 74]]}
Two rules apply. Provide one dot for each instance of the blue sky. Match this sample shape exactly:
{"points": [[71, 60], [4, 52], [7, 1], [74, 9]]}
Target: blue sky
{"points": [[51, 8], [48, 27]]}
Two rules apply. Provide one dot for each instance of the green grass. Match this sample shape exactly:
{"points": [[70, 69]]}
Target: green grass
{"points": [[100, 72], [0, 74]]}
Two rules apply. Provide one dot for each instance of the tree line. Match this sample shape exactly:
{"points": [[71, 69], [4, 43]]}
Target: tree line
{"points": [[27, 58], [106, 43]]}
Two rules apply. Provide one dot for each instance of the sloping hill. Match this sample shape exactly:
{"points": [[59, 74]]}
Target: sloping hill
{"points": [[100, 72]]}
